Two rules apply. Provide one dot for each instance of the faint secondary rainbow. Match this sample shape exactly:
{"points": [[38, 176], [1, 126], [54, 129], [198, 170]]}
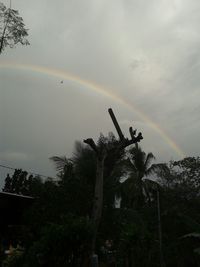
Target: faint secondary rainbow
{"points": [[100, 90]]}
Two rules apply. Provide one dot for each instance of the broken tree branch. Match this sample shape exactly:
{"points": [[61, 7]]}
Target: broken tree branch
{"points": [[118, 129]]}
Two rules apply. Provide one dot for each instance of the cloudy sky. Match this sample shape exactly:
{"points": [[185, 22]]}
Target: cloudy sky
{"points": [[141, 58]]}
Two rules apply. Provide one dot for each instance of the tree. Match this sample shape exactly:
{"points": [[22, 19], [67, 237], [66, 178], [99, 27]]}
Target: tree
{"points": [[20, 183], [179, 182], [61, 244], [102, 151], [76, 178], [135, 190], [102, 158], [12, 28], [181, 178]]}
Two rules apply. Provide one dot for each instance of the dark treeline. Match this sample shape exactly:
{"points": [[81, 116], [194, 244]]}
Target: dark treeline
{"points": [[150, 212]]}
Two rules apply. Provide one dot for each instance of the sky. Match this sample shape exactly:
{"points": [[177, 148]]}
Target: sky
{"points": [[141, 58]]}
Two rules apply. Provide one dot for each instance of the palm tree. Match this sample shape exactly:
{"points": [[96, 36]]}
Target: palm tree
{"points": [[81, 164], [135, 189], [76, 177]]}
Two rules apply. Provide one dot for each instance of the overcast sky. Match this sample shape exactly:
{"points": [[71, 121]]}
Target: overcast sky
{"points": [[146, 53]]}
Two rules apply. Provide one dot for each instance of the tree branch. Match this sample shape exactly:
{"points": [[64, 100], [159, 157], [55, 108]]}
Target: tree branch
{"points": [[92, 144], [114, 120]]}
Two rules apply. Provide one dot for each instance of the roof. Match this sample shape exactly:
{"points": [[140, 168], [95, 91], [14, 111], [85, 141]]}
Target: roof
{"points": [[12, 207]]}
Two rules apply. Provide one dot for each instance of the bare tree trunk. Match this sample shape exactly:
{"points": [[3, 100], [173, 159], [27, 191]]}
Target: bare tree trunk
{"points": [[101, 154], [4, 30], [2, 39], [98, 198]]}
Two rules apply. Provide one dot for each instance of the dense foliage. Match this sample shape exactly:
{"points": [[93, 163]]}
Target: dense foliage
{"points": [[157, 223]]}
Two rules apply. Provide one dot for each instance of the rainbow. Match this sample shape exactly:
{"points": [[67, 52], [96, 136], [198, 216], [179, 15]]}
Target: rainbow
{"points": [[100, 90]]}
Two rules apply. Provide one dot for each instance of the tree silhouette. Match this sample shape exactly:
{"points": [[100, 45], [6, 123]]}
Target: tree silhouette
{"points": [[20, 183], [135, 190], [103, 151], [12, 28]]}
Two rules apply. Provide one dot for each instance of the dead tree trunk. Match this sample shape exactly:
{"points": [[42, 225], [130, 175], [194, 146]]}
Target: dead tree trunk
{"points": [[98, 190], [98, 197], [101, 154]]}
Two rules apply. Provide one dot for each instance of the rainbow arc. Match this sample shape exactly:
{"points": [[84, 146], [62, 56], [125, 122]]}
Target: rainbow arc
{"points": [[63, 75]]}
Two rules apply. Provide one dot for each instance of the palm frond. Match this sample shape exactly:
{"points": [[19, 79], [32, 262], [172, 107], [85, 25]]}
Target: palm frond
{"points": [[137, 158], [148, 160], [60, 162], [78, 149], [129, 165], [155, 168]]}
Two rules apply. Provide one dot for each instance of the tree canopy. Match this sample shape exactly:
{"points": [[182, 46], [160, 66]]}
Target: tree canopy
{"points": [[12, 28], [57, 230]]}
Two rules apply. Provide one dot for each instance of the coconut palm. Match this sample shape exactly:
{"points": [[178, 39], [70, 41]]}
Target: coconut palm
{"points": [[135, 190]]}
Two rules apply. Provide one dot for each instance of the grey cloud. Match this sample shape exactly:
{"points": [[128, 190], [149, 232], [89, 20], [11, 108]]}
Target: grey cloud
{"points": [[145, 52], [15, 156]]}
